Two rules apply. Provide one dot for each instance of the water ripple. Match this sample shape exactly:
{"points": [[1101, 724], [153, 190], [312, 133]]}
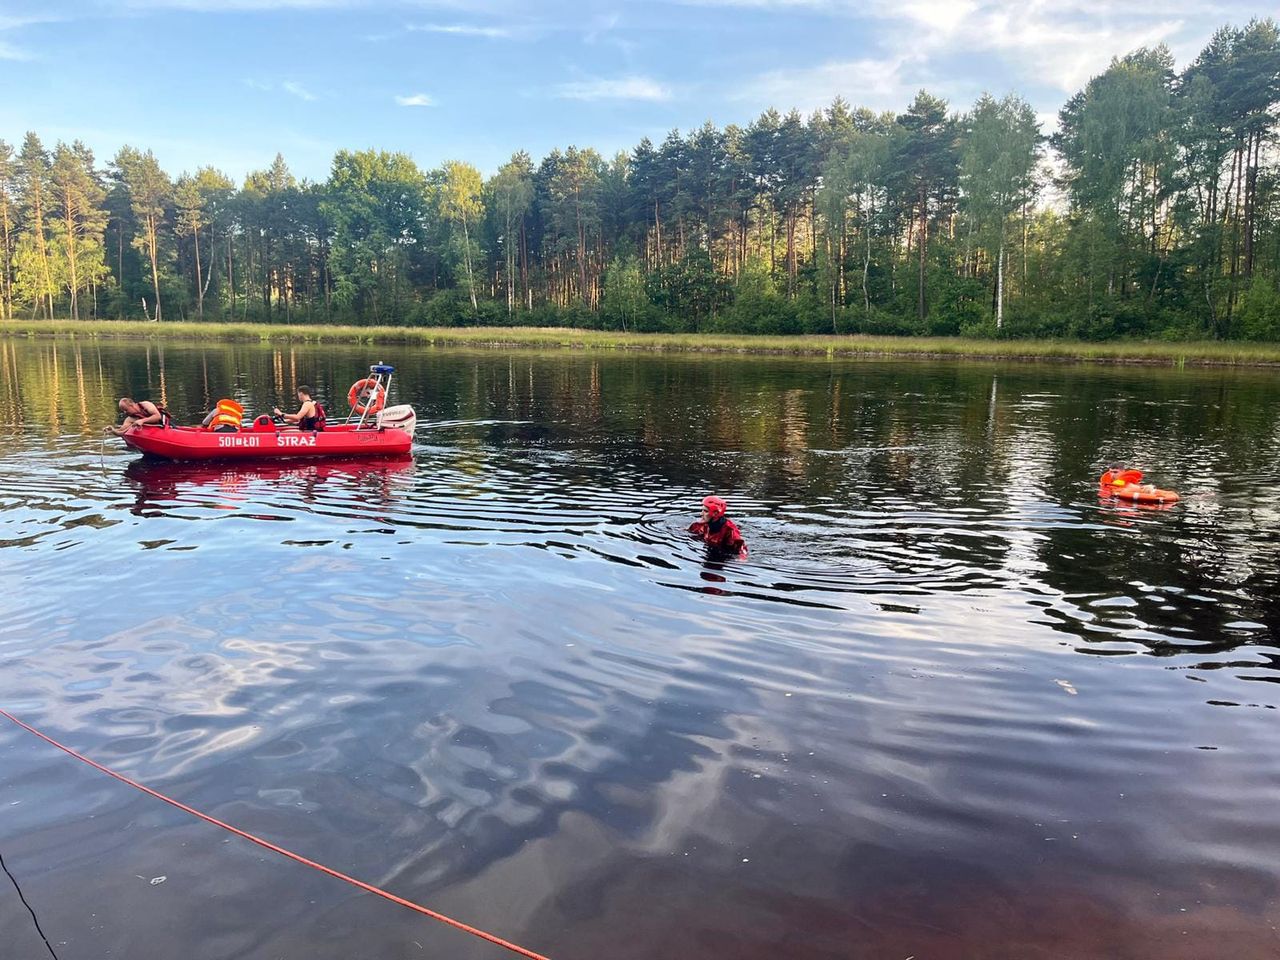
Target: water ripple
{"points": [[951, 699]]}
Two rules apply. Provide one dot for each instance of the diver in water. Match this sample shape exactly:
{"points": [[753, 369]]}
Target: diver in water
{"points": [[716, 530]]}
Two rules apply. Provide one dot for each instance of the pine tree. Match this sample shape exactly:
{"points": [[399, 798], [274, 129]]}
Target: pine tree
{"points": [[33, 180], [78, 196]]}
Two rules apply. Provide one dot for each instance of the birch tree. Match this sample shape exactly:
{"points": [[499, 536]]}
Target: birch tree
{"points": [[460, 202], [997, 175], [8, 211], [510, 194]]}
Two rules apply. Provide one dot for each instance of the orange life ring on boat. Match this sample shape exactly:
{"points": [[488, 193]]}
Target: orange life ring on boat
{"points": [[367, 396]]}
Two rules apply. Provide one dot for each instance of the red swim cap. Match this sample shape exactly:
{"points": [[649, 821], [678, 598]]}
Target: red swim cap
{"points": [[715, 507]]}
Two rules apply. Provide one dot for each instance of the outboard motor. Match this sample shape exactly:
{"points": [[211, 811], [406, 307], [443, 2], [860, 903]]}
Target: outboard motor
{"points": [[400, 417]]}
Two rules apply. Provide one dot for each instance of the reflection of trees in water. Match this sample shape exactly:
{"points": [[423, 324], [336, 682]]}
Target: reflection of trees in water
{"points": [[872, 446], [12, 413], [1022, 455], [1170, 581], [51, 382]]}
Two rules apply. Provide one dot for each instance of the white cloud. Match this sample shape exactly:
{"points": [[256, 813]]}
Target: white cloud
{"points": [[1057, 44], [10, 22], [291, 87], [882, 84], [460, 30], [415, 100], [234, 6], [297, 89], [621, 88], [9, 52], [1048, 48], [600, 26], [1054, 43]]}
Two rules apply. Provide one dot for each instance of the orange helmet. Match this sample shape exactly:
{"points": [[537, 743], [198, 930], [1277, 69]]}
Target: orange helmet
{"points": [[715, 507]]}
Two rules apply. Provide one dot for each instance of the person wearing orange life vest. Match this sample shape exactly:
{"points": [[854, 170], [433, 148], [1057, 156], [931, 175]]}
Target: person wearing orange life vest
{"points": [[716, 530], [310, 415], [227, 416]]}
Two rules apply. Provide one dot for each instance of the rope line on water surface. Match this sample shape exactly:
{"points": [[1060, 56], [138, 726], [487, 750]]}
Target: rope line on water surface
{"points": [[23, 897], [267, 844]]}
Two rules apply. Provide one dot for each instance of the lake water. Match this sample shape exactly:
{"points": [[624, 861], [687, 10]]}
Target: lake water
{"points": [[953, 706]]}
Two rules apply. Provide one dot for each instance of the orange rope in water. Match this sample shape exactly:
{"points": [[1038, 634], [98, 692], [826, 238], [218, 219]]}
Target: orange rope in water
{"points": [[367, 887]]}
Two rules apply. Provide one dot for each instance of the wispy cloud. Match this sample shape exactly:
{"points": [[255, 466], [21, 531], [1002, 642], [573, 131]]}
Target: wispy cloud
{"points": [[1047, 48], [879, 83], [11, 22], [600, 26], [297, 89], [415, 100], [233, 6], [9, 52], [291, 87], [460, 30], [1050, 43], [620, 88]]}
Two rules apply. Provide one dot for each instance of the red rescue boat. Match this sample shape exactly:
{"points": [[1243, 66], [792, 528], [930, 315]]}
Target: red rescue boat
{"points": [[377, 432], [259, 441]]}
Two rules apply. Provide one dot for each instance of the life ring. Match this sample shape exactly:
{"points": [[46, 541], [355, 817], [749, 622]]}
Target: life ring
{"points": [[1128, 485], [360, 393]]}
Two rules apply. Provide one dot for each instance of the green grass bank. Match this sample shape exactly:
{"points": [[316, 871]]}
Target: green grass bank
{"points": [[1193, 353]]}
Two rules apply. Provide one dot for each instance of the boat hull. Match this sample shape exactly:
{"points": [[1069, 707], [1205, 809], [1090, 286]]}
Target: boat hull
{"points": [[342, 440]]}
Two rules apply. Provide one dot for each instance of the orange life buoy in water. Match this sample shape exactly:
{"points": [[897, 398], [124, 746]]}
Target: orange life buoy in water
{"points": [[1128, 485], [367, 396], [1120, 478]]}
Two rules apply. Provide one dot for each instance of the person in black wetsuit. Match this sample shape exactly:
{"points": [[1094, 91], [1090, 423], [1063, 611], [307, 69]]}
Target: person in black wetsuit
{"points": [[310, 415]]}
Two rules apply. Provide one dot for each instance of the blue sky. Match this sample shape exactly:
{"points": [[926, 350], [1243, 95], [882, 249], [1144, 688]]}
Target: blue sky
{"points": [[231, 82]]}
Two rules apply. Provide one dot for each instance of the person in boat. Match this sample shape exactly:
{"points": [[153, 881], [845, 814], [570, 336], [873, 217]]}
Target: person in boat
{"points": [[310, 415], [140, 413], [225, 417], [716, 530]]}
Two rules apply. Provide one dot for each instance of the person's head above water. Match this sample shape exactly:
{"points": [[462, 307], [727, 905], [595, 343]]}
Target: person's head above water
{"points": [[716, 529], [304, 393], [714, 507], [129, 405]]}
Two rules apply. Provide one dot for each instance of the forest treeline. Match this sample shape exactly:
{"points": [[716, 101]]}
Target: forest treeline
{"points": [[1154, 210]]}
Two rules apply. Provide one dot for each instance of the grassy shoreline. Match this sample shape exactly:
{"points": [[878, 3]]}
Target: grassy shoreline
{"points": [[1192, 353]]}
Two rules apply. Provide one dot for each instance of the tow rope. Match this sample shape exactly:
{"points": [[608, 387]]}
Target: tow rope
{"points": [[296, 857]]}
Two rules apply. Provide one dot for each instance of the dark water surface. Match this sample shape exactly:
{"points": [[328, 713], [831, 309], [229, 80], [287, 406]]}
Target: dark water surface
{"points": [[952, 707]]}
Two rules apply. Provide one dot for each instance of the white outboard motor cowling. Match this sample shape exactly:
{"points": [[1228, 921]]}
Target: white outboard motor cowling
{"points": [[400, 417]]}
